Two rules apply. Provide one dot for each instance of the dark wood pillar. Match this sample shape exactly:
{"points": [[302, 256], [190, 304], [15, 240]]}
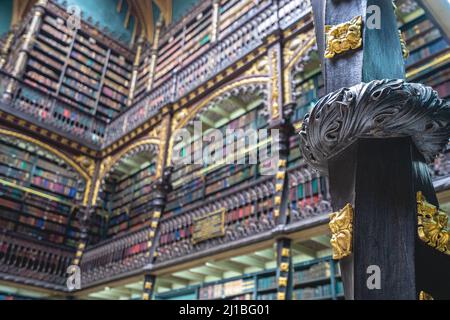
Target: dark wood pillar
{"points": [[374, 134], [284, 269]]}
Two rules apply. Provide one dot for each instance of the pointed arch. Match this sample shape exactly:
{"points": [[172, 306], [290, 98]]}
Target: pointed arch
{"points": [[73, 164], [184, 116], [109, 162]]}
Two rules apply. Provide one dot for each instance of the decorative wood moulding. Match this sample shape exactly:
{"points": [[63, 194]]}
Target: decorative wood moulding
{"points": [[54, 137], [275, 105], [343, 37], [341, 225], [432, 225], [296, 54], [378, 109]]}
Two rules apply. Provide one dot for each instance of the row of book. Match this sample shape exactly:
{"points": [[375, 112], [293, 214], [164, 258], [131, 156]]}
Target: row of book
{"points": [[227, 289], [194, 182], [311, 293], [33, 169], [315, 272], [82, 72], [267, 283], [244, 217], [127, 201]]}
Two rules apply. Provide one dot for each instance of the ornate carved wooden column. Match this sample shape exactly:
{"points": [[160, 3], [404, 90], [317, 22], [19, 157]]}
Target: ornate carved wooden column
{"points": [[38, 12], [4, 52], [87, 210], [137, 60], [215, 20], [149, 285], [154, 55], [160, 190], [284, 269], [373, 134]]}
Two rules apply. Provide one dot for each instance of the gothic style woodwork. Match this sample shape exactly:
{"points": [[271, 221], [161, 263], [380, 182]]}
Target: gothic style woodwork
{"points": [[258, 68]]}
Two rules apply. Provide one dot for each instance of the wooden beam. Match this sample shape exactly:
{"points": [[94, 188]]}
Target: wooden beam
{"points": [[301, 249], [266, 254], [143, 10], [174, 280], [249, 261], [227, 266], [323, 240], [218, 110], [208, 271], [207, 121], [190, 275]]}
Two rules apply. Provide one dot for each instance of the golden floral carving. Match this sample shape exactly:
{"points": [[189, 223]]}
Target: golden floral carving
{"points": [[259, 67], [343, 37], [432, 225], [275, 87], [87, 164], [341, 225]]}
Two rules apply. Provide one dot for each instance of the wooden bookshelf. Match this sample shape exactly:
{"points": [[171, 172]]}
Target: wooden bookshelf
{"points": [[317, 279], [126, 203], [83, 68], [39, 194]]}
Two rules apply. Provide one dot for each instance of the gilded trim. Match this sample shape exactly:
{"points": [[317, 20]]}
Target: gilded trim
{"points": [[432, 225], [343, 37], [290, 57], [341, 225], [182, 117], [59, 154], [108, 162], [275, 104]]}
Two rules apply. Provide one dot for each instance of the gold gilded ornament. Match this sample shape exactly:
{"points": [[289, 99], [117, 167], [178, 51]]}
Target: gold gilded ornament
{"points": [[433, 224], [343, 37], [341, 225]]}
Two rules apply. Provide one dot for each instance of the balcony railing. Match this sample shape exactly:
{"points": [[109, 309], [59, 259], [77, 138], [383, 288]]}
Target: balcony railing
{"points": [[244, 36], [28, 262], [48, 110], [114, 257]]}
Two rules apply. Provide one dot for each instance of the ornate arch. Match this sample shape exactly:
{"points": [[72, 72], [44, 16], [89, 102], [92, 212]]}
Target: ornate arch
{"points": [[184, 116], [110, 162], [57, 153], [296, 53]]}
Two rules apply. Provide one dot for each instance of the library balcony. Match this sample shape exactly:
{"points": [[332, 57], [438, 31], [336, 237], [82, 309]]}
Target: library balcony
{"points": [[88, 147]]}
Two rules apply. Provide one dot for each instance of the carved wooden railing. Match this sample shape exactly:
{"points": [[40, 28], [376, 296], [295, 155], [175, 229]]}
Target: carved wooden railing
{"points": [[114, 257], [247, 213], [31, 263], [245, 35], [40, 108], [139, 113]]}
